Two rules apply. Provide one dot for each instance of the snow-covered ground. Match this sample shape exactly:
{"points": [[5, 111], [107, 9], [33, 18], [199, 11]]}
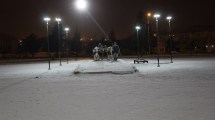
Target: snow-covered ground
{"points": [[183, 90]]}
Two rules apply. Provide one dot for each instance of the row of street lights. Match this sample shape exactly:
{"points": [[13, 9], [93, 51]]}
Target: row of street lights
{"points": [[81, 5], [47, 19], [156, 16]]}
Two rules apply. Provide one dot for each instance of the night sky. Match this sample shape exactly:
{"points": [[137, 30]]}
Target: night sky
{"points": [[23, 17]]}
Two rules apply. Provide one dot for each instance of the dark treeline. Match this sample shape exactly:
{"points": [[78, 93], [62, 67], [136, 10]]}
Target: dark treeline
{"points": [[32, 44], [76, 46]]}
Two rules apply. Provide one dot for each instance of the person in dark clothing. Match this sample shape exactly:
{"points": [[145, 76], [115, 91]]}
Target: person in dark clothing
{"points": [[116, 51]]}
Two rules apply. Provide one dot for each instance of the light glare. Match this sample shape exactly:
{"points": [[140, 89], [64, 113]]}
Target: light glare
{"points": [[58, 19], [81, 4], [137, 27], [66, 29], [46, 19], [169, 18], [149, 14], [157, 15]]}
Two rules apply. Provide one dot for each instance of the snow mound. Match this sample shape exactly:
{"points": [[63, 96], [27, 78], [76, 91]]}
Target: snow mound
{"points": [[99, 67]]}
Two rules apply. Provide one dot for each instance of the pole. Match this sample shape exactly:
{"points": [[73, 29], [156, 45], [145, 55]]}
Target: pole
{"points": [[47, 25], [138, 49], [59, 43], [67, 54], [148, 39], [158, 47], [170, 42]]}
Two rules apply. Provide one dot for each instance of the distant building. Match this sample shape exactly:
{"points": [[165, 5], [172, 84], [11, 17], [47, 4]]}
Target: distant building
{"points": [[196, 39]]}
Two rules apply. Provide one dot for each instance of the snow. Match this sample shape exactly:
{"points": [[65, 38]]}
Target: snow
{"points": [[183, 90], [116, 67]]}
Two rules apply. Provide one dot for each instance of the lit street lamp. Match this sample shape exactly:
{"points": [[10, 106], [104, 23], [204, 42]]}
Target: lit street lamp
{"points": [[170, 35], [47, 19], [148, 17], [59, 52], [138, 49], [156, 16], [81, 4], [67, 49]]}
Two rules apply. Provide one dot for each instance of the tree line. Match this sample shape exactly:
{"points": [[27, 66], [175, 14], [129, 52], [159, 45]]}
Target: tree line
{"points": [[33, 44]]}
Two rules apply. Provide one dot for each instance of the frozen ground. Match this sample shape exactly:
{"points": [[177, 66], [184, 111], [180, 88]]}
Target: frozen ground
{"points": [[183, 90]]}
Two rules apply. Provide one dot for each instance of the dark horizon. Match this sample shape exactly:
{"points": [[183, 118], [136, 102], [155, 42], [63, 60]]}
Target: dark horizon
{"points": [[22, 18]]}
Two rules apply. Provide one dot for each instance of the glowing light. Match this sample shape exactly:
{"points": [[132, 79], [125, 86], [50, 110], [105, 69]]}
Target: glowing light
{"points": [[149, 14], [81, 4], [66, 29], [47, 19], [157, 15], [137, 27], [168, 17], [58, 19]]}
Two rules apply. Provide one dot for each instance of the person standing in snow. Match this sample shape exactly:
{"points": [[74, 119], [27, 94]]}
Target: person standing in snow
{"points": [[96, 53], [101, 50], [116, 51]]}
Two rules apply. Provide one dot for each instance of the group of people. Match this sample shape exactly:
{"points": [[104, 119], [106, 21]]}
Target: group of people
{"points": [[112, 52]]}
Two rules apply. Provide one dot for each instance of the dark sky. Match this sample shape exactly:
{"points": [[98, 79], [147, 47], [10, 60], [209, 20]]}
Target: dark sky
{"points": [[23, 17]]}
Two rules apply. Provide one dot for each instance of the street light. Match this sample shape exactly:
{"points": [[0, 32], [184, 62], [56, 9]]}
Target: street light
{"points": [[156, 16], [67, 30], [47, 19], [138, 60], [170, 35], [138, 51], [81, 4], [148, 17], [59, 52]]}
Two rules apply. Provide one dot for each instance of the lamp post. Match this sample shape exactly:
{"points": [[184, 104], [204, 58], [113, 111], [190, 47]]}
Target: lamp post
{"points": [[59, 52], [67, 30], [156, 16], [149, 48], [138, 49], [170, 35], [47, 19]]}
